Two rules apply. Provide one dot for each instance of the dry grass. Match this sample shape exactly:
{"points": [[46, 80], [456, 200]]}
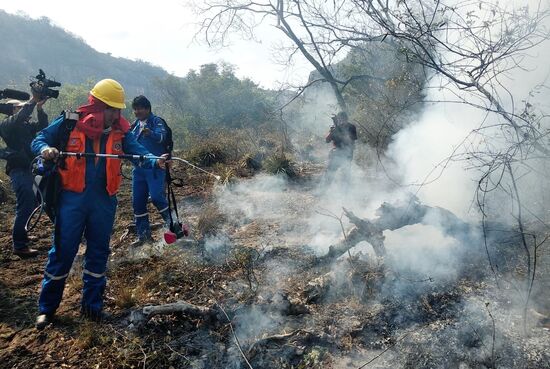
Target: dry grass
{"points": [[280, 163], [247, 258], [74, 280], [208, 154], [6, 194], [88, 335], [210, 220], [227, 173], [130, 283], [125, 297], [252, 161]]}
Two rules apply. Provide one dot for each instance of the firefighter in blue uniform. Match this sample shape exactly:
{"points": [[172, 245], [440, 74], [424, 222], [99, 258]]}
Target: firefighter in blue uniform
{"points": [[87, 203], [150, 131]]}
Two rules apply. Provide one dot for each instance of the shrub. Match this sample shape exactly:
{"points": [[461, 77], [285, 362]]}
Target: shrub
{"points": [[252, 161], [280, 163], [210, 220], [207, 154]]}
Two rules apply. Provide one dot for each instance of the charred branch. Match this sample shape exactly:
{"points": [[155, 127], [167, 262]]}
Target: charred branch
{"points": [[392, 217], [299, 337], [141, 316]]}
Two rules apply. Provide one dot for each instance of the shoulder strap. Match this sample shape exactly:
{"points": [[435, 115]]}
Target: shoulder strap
{"points": [[165, 124], [169, 142], [67, 126]]}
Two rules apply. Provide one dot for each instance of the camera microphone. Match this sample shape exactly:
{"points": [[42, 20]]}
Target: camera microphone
{"points": [[14, 94]]}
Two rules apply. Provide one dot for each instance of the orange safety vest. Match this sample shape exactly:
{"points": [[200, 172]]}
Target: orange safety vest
{"points": [[73, 177]]}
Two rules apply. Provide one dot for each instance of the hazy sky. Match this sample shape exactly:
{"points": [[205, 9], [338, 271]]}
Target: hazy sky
{"points": [[160, 32]]}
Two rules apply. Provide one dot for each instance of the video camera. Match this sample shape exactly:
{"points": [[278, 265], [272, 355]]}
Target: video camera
{"points": [[43, 86], [11, 94]]}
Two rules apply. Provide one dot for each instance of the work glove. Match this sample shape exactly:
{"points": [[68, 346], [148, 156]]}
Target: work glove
{"points": [[50, 153]]}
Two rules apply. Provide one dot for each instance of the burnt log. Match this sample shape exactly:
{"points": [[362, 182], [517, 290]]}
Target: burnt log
{"points": [[296, 338], [142, 315], [395, 216]]}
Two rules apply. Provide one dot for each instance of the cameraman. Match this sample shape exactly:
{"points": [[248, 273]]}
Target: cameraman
{"points": [[18, 131]]}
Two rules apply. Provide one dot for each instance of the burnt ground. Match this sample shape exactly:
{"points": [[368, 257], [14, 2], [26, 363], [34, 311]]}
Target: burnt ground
{"points": [[287, 307]]}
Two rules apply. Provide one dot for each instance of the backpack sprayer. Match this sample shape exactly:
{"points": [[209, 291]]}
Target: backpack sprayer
{"points": [[177, 229], [134, 157], [44, 168]]}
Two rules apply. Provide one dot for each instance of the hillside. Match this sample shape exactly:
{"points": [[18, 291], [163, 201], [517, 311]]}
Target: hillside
{"points": [[29, 44]]}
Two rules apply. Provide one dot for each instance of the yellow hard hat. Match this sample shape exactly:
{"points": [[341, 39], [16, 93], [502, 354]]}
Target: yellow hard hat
{"points": [[110, 92]]}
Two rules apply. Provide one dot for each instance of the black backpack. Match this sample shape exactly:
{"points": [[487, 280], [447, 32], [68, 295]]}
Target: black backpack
{"points": [[47, 181], [168, 142]]}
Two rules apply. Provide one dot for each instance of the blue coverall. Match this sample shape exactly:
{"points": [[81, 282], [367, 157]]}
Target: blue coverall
{"points": [[147, 183], [91, 214]]}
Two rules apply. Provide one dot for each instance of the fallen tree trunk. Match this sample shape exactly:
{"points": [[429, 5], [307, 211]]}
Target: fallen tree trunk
{"points": [[392, 217], [298, 337], [278, 302]]}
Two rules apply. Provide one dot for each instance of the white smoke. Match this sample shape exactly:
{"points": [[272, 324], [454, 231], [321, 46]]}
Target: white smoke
{"points": [[423, 150], [423, 158], [423, 252], [426, 152], [217, 247], [258, 198]]}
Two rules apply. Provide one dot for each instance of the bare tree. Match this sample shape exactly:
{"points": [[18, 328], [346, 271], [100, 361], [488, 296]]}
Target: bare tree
{"points": [[306, 24], [468, 48], [473, 47]]}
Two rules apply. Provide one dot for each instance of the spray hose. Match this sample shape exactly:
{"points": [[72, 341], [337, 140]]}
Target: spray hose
{"points": [[29, 226], [134, 157], [40, 171]]}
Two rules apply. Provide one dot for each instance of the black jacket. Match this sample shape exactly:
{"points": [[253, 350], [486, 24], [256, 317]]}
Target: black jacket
{"points": [[343, 136], [18, 133]]}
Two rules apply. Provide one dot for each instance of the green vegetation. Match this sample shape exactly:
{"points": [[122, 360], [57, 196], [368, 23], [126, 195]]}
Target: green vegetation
{"points": [[216, 117], [383, 93], [213, 98], [384, 103]]}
